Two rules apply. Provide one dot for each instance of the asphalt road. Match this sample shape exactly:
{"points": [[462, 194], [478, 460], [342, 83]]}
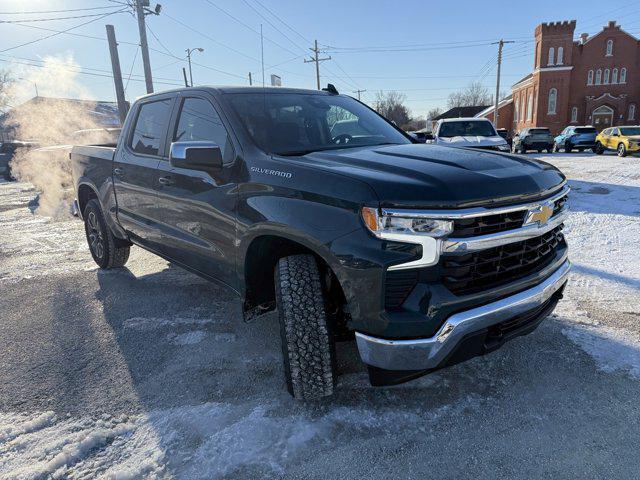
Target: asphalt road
{"points": [[150, 372]]}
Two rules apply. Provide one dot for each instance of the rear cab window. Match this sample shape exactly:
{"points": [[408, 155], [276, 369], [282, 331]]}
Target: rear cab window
{"points": [[466, 128], [151, 127], [585, 130]]}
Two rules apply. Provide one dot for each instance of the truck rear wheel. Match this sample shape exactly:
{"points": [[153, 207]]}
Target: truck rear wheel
{"points": [[104, 247], [307, 345]]}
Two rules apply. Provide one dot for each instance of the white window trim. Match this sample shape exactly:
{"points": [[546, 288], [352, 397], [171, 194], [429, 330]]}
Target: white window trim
{"points": [[552, 52], [560, 56], [590, 77], [614, 76], [606, 77], [623, 75], [598, 77], [574, 115], [609, 51], [554, 92]]}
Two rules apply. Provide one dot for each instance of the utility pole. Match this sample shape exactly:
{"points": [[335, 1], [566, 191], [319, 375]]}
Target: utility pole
{"points": [[144, 46], [250, 79], [189, 52], [117, 73], [184, 74], [315, 59], [359, 92], [497, 98]]}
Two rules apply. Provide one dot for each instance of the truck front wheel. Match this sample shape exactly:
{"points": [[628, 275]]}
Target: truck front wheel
{"points": [[104, 247], [307, 345]]}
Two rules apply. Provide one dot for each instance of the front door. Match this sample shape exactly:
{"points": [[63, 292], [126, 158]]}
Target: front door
{"points": [[199, 221], [135, 172], [602, 117]]}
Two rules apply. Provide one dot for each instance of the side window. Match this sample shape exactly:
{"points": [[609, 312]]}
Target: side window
{"points": [[199, 121], [151, 127]]}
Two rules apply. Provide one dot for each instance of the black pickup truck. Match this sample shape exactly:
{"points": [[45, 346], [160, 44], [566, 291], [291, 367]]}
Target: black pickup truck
{"points": [[311, 203]]}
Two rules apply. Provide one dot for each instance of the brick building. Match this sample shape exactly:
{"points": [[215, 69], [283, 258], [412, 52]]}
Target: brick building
{"points": [[592, 81]]}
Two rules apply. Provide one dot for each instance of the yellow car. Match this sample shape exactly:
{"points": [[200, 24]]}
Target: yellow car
{"points": [[623, 140]]}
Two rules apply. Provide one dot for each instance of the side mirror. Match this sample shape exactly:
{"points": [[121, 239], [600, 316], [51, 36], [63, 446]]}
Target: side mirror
{"points": [[196, 155]]}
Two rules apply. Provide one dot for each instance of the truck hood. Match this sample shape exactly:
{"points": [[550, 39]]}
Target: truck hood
{"points": [[420, 176], [475, 141]]}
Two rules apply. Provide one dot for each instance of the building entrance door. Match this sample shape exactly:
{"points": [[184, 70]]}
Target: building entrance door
{"points": [[602, 117]]}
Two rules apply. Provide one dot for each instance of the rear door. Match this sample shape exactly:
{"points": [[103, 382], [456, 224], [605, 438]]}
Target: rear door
{"points": [[199, 218], [135, 171]]}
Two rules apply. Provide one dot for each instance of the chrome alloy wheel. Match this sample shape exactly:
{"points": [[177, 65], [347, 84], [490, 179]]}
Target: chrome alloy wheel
{"points": [[95, 234]]}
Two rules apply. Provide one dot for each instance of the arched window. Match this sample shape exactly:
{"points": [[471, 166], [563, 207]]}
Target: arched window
{"points": [[530, 108], [574, 114], [614, 76], [560, 56], [522, 110], [590, 77], [553, 100], [551, 55], [623, 75], [609, 48], [516, 110], [632, 112], [599, 77], [606, 76]]}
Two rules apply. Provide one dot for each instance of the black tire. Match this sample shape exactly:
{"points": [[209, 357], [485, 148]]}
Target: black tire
{"points": [[598, 149], [106, 250], [567, 147], [308, 349], [622, 150]]}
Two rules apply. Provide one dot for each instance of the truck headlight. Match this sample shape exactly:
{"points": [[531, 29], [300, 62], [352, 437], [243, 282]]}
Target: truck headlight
{"points": [[380, 224]]}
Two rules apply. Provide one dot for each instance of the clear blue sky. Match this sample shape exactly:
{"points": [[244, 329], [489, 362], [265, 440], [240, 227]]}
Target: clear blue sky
{"points": [[424, 49]]}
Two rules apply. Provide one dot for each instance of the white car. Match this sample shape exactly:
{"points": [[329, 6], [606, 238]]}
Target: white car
{"points": [[469, 132]]}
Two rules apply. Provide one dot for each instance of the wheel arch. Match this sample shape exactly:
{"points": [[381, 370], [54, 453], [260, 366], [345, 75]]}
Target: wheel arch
{"points": [[260, 256], [86, 192]]}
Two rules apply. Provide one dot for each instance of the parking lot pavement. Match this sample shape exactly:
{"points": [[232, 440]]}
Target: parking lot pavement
{"points": [[150, 371]]}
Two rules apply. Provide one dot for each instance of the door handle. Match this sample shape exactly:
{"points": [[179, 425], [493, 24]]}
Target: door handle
{"points": [[166, 181], [118, 171]]}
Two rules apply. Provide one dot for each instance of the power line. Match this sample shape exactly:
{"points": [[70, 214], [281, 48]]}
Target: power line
{"points": [[63, 31], [57, 11], [29, 20], [283, 22], [270, 23]]}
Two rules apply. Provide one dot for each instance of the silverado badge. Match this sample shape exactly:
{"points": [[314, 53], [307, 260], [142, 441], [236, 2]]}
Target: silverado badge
{"points": [[540, 215]]}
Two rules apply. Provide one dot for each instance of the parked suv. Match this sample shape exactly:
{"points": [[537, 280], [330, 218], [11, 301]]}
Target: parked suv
{"points": [[469, 132], [571, 138], [533, 139], [427, 255], [623, 140]]}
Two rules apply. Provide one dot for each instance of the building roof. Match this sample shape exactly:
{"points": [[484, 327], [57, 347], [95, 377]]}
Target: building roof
{"points": [[505, 101], [457, 112], [523, 79]]}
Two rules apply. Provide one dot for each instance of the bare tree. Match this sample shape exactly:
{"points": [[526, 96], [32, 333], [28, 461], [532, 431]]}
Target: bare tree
{"points": [[391, 105], [433, 113], [5, 90], [474, 94]]}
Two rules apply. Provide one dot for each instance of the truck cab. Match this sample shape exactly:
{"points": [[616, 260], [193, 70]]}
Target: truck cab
{"points": [[310, 203]]}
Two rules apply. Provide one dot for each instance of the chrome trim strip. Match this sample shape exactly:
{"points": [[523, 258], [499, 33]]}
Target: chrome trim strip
{"points": [[427, 353], [461, 246], [473, 212]]}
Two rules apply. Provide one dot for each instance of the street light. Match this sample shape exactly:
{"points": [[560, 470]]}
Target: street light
{"points": [[189, 52]]}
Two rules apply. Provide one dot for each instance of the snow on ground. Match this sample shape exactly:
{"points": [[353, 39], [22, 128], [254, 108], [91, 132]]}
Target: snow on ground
{"points": [[150, 372]]}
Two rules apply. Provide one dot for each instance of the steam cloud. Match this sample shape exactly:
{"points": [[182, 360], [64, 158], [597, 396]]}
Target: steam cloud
{"points": [[51, 123]]}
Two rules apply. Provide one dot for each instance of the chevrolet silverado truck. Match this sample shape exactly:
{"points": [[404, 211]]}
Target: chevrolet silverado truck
{"points": [[426, 255]]}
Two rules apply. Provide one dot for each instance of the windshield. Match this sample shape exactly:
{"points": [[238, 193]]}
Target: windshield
{"points": [[466, 129], [585, 130], [539, 131], [630, 130], [299, 123]]}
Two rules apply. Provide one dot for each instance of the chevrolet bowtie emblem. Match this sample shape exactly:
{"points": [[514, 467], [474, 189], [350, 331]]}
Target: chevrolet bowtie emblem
{"points": [[540, 215]]}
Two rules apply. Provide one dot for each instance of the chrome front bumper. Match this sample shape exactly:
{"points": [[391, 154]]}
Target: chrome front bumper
{"points": [[429, 353]]}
